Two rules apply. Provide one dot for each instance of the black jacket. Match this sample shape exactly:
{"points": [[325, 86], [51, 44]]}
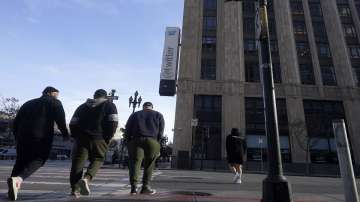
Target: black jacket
{"points": [[235, 146], [96, 119], [35, 119], [145, 123]]}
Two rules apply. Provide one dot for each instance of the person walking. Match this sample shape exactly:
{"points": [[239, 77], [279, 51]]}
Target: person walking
{"points": [[236, 150], [144, 129], [92, 126], [33, 129]]}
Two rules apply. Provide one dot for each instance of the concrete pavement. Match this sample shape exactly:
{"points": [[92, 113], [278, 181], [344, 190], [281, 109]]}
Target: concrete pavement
{"points": [[111, 184]]}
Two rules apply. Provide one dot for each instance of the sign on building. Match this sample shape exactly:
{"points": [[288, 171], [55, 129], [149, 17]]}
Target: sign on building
{"points": [[169, 67]]}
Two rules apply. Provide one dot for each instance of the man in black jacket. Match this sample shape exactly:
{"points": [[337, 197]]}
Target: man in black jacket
{"points": [[93, 125], [143, 130], [34, 130]]}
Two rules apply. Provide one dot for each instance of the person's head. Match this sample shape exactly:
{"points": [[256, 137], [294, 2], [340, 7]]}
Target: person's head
{"points": [[235, 131], [147, 106], [51, 91], [100, 93]]}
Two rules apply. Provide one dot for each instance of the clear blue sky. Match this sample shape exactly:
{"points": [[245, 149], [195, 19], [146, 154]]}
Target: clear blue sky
{"points": [[79, 46]]}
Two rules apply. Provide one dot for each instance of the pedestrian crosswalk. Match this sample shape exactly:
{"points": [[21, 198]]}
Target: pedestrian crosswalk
{"points": [[51, 183]]}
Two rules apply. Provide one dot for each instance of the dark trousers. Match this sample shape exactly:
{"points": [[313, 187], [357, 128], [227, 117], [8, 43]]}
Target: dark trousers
{"points": [[85, 149], [139, 149], [30, 156]]}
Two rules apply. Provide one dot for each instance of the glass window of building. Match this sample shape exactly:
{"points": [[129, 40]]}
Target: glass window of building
{"points": [[210, 4], [323, 50], [349, 30], [255, 129], [328, 75], [354, 51], [344, 10], [299, 28], [249, 26], [356, 71], [296, 7], [249, 8], [315, 8], [208, 69], [319, 116], [209, 23], [277, 73], [250, 45], [307, 74], [302, 48], [252, 71], [207, 109]]}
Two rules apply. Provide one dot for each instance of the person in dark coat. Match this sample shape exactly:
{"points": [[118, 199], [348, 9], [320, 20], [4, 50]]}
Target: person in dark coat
{"points": [[236, 151], [34, 130], [144, 129], [92, 126]]}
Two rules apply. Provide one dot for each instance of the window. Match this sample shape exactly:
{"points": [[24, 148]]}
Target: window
{"points": [[208, 69], [315, 9], [344, 10], [349, 30], [356, 71], [328, 75], [323, 50], [255, 128], [249, 26], [302, 49], [249, 8], [209, 23], [354, 51], [320, 31], [318, 117], [307, 74], [210, 4], [277, 72], [299, 28], [249, 45], [209, 43], [207, 109], [296, 7], [252, 72]]}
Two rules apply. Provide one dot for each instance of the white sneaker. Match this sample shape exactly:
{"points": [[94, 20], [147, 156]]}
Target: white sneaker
{"points": [[14, 184], [238, 181], [236, 176], [83, 184]]}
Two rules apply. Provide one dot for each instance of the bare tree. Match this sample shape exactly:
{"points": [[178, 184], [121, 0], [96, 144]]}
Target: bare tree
{"points": [[305, 141], [9, 108]]}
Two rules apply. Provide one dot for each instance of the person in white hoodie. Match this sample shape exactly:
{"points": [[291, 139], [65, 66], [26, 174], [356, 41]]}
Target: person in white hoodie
{"points": [[92, 126]]}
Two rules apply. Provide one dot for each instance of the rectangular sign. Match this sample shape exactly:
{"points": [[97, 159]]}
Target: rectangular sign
{"points": [[169, 67]]}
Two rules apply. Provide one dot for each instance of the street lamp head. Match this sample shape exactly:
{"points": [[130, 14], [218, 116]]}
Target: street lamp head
{"points": [[136, 93], [130, 100], [139, 101]]}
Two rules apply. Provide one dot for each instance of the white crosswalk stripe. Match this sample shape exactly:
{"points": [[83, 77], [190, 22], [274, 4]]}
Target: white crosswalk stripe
{"points": [[51, 183]]}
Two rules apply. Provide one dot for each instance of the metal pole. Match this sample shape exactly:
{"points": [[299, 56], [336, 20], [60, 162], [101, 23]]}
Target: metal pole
{"points": [[344, 156], [275, 186]]}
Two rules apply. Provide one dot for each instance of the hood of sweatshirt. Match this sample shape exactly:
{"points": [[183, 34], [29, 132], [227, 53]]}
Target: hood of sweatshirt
{"points": [[92, 103]]}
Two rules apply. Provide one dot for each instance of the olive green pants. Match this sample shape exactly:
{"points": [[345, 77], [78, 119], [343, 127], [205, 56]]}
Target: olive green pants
{"points": [[87, 149], [147, 149]]}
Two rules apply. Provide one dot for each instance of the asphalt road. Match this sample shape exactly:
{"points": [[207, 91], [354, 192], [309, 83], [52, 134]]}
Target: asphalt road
{"points": [[51, 183]]}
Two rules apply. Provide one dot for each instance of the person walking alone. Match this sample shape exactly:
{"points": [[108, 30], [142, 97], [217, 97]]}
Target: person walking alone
{"points": [[144, 129], [92, 126], [34, 131], [236, 150]]}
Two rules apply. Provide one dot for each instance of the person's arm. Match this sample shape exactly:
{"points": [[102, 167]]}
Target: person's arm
{"points": [[74, 123], [129, 128], [60, 118], [161, 127], [110, 121]]}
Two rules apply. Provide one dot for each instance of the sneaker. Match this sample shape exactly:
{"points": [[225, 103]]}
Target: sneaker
{"points": [[133, 190], [83, 184], [76, 194], [238, 180], [14, 186], [147, 190]]}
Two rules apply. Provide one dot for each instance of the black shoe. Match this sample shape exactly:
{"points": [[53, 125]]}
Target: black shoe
{"points": [[133, 190], [147, 190]]}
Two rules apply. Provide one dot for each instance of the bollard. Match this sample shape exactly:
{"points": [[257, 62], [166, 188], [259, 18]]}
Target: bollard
{"points": [[345, 163]]}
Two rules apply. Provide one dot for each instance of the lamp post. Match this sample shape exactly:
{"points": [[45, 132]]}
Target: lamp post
{"points": [[275, 186], [135, 101]]}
